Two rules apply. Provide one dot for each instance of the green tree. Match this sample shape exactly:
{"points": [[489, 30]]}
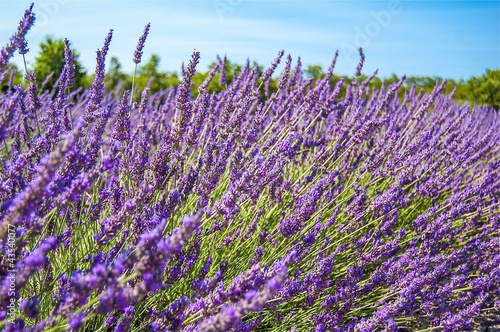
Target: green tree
{"points": [[51, 60], [485, 89], [314, 71], [150, 71], [114, 74], [9, 77]]}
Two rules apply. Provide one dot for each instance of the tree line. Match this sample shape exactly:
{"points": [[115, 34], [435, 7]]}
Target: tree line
{"points": [[481, 90]]}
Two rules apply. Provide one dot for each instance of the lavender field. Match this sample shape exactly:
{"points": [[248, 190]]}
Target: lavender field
{"points": [[248, 209]]}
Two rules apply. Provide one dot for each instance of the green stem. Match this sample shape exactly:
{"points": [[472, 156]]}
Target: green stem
{"points": [[25, 67], [6, 148], [133, 83], [36, 117]]}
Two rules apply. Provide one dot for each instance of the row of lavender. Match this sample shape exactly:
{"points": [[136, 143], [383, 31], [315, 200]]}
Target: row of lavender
{"points": [[245, 210]]}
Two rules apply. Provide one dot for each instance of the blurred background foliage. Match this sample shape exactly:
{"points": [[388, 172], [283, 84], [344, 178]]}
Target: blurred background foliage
{"points": [[482, 90]]}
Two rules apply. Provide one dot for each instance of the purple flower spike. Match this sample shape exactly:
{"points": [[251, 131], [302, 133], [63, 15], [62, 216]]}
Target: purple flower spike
{"points": [[30, 307], [140, 44], [76, 321], [361, 62], [18, 41]]}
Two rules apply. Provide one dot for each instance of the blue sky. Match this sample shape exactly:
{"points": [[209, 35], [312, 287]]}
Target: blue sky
{"points": [[454, 39]]}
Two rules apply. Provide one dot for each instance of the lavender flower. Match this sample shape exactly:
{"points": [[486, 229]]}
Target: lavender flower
{"points": [[76, 321], [267, 74], [182, 102], [140, 44], [361, 62], [18, 41]]}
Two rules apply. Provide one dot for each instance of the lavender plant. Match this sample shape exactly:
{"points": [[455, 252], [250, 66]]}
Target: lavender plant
{"points": [[245, 209]]}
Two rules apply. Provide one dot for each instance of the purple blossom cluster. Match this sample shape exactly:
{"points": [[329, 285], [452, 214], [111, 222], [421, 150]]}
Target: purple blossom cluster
{"points": [[316, 206]]}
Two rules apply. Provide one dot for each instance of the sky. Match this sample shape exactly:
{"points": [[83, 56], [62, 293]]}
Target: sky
{"points": [[449, 39]]}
